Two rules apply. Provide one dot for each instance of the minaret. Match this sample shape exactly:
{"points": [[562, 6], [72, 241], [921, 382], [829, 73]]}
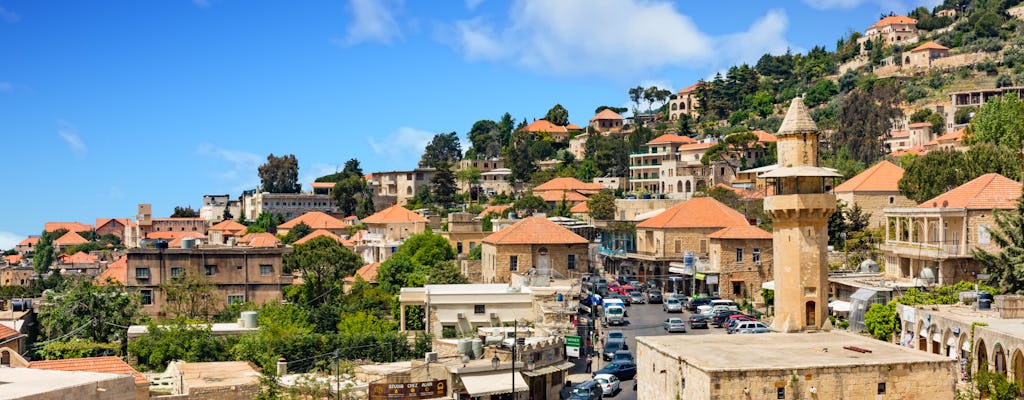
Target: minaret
{"points": [[800, 208]]}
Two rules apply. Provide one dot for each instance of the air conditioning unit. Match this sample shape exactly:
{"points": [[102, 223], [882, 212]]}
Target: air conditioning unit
{"points": [[430, 357], [460, 316], [494, 315], [757, 263]]}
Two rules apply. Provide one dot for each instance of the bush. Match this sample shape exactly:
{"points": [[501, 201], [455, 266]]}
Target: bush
{"points": [[914, 93], [1004, 81], [77, 348], [881, 321]]}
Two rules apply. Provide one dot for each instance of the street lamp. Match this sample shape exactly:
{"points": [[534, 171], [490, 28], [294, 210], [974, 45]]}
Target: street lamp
{"points": [[495, 361]]}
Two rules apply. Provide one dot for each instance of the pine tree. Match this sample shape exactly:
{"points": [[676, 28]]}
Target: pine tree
{"points": [[1007, 266]]}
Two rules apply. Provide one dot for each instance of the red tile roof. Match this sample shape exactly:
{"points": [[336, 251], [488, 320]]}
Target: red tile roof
{"points": [[368, 272], [929, 45], [568, 183], [496, 210], [78, 258], [580, 208], [541, 125], [698, 212], [534, 230], [919, 125], [116, 271], [607, 114], [913, 150], [260, 239], [881, 177], [551, 196], [6, 333], [670, 138], [175, 235], [688, 89], [394, 214], [899, 134], [100, 222], [741, 232], [895, 20], [229, 227], [315, 220], [107, 364], [32, 240], [13, 259], [69, 226], [956, 136], [318, 233], [986, 192], [696, 146], [573, 127], [323, 185], [764, 137], [70, 239]]}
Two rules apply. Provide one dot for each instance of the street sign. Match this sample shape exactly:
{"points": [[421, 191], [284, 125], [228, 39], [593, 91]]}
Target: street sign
{"points": [[572, 346], [408, 391]]}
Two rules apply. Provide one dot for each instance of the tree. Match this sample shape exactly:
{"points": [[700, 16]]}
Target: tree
{"points": [[177, 340], [1006, 267], [937, 172], [557, 115], [821, 92], [352, 168], [80, 309], [865, 115], [447, 273], [469, 176], [280, 174], [348, 192], [881, 321], [518, 159], [420, 255], [999, 121], [323, 263], [485, 139], [442, 185], [720, 153], [42, 257], [184, 212], [617, 110], [528, 204], [602, 205], [444, 147], [297, 232], [190, 295], [365, 208], [505, 127], [266, 222], [635, 94]]}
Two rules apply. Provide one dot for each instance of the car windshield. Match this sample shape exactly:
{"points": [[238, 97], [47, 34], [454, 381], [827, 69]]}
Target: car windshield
{"points": [[675, 321], [614, 311], [612, 346], [672, 301], [581, 391], [601, 380], [616, 335]]}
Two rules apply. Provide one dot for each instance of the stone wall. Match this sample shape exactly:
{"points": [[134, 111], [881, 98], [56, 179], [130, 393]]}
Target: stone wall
{"points": [[874, 203], [496, 266]]}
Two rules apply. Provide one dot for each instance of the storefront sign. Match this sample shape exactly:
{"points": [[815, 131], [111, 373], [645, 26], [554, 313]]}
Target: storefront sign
{"points": [[572, 346], [408, 391]]}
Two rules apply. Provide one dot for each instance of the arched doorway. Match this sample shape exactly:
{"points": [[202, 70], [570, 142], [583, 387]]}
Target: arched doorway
{"points": [[999, 359], [810, 310], [982, 355], [936, 342], [688, 188], [1017, 366], [5, 358], [543, 267], [679, 186]]}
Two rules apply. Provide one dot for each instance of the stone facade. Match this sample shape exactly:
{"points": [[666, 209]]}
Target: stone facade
{"points": [[940, 240], [238, 274], [741, 279], [875, 203], [403, 185], [497, 262]]}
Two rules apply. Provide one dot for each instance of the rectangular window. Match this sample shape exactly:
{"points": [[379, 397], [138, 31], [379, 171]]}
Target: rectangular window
{"points": [[572, 261], [177, 271], [479, 309], [141, 273], [757, 256], [780, 393], [703, 247], [679, 246], [881, 387], [266, 270], [513, 263], [147, 297], [458, 247], [236, 298], [739, 254], [211, 270]]}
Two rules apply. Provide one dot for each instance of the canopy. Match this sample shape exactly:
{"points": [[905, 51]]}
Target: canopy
{"points": [[497, 382], [839, 306], [545, 370], [770, 285]]}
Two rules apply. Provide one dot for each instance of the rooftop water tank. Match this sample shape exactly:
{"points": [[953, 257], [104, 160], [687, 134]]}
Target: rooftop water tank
{"points": [[249, 319]]}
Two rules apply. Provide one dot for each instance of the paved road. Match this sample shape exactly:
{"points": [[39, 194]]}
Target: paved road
{"points": [[646, 320]]}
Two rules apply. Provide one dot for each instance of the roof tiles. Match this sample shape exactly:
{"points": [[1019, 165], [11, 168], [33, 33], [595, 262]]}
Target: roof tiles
{"points": [[534, 230], [698, 212], [986, 192], [881, 177], [394, 214], [70, 239], [740, 232], [315, 220], [106, 364]]}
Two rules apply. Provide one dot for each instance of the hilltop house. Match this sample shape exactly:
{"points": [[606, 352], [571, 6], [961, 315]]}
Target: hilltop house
{"points": [[315, 220], [535, 245], [386, 230], [874, 190], [896, 29], [607, 121], [685, 102], [923, 55]]}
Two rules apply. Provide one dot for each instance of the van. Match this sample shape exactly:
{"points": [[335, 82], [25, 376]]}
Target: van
{"points": [[614, 313]]}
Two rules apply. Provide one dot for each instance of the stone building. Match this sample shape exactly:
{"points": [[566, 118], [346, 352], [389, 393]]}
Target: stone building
{"points": [[27, 246], [934, 240], [685, 102], [923, 55], [112, 226], [289, 205], [401, 186], [896, 29], [874, 190], [215, 206], [532, 244], [315, 220], [238, 274], [741, 256], [465, 232], [386, 230], [607, 121]]}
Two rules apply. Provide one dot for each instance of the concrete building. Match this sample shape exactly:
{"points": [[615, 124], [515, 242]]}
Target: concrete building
{"points": [[105, 365], [27, 383], [386, 230], [532, 244], [289, 205], [832, 365], [458, 310], [874, 190], [978, 97], [237, 273], [225, 232], [401, 186], [934, 240], [147, 227], [465, 232], [685, 102], [800, 208]]}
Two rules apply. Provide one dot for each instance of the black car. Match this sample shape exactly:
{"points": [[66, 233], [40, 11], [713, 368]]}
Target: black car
{"points": [[611, 347], [624, 370], [718, 318], [589, 390], [699, 321]]}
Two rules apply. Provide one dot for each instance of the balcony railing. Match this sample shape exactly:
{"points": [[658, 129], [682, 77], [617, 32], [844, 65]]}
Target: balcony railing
{"points": [[926, 250]]}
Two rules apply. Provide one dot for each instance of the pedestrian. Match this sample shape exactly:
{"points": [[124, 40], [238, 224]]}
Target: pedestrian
{"points": [[589, 362]]}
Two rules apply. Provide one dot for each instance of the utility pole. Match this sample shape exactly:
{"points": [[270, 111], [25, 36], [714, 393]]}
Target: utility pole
{"points": [[337, 376]]}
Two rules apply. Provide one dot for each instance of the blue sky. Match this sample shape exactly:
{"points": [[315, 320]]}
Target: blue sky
{"points": [[107, 104]]}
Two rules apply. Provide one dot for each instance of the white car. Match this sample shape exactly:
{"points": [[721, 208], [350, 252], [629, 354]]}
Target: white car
{"points": [[609, 383]]}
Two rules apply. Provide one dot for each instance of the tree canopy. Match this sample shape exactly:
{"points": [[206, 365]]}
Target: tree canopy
{"points": [[323, 264], [420, 255], [444, 147], [865, 116], [280, 174], [184, 212], [80, 309], [557, 115], [602, 205], [940, 171], [999, 121]]}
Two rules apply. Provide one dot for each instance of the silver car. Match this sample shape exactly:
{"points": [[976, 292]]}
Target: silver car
{"points": [[675, 325], [752, 327], [672, 306]]}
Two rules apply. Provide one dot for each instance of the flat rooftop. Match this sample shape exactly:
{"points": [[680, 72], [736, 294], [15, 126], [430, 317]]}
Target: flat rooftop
{"points": [[967, 315], [771, 351], [218, 374], [25, 382]]}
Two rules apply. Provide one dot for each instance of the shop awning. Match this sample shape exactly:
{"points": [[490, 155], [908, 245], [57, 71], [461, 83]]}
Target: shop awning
{"points": [[839, 306], [497, 382], [951, 342], [549, 369], [937, 337], [770, 285]]}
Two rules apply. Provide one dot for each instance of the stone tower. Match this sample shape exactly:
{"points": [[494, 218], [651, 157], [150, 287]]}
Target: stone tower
{"points": [[800, 208]]}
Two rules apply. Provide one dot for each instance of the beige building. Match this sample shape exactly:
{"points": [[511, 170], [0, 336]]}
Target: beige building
{"points": [[315, 220], [671, 165], [458, 310], [897, 29], [685, 102], [607, 121], [741, 256], [923, 55], [934, 240], [874, 190], [28, 383], [386, 230], [465, 232], [823, 365], [289, 205], [401, 185], [238, 274], [532, 244]]}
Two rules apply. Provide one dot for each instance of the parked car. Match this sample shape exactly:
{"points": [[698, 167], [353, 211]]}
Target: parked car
{"points": [[734, 320], [677, 296], [653, 297], [672, 306], [719, 317], [614, 335], [589, 390], [622, 370], [751, 327], [622, 355], [698, 321], [702, 301], [609, 383], [636, 297], [675, 325], [611, 347]]}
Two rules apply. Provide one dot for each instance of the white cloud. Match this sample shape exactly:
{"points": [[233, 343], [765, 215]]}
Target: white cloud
{"points": [[402, 145], [611, 37], [9, 239], [241, 165], [898, 6], [372, 21], [471, 4], [9, 16], [69, 133]]}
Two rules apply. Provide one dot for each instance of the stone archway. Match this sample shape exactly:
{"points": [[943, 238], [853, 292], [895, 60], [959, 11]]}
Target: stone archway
{"points": [[1017, 366], [999, 358], [922, 336], [982, 355]]}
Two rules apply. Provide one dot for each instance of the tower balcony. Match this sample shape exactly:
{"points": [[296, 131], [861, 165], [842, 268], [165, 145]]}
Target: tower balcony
{"points": [[791, 205]]}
